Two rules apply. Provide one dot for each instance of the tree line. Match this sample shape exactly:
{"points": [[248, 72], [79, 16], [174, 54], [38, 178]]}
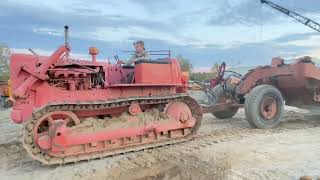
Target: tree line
{"points": [[4, 62], [187, 66]]}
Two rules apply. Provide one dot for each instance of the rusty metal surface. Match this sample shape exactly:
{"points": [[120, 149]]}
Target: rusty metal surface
{"points": [[268, 108], [298, 81]]}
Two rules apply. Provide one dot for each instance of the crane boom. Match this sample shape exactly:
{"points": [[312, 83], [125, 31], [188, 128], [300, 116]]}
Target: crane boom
{"points": [[306, 21]]}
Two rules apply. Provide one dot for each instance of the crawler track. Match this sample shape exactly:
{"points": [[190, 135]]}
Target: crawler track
{"points": [[45, 158]]}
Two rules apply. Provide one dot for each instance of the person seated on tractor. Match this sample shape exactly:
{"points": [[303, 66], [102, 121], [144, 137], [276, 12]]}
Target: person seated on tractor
{"points": [[140, 53]]}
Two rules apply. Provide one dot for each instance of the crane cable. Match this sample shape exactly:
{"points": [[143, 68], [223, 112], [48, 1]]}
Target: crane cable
{"points": [[261, 23]]}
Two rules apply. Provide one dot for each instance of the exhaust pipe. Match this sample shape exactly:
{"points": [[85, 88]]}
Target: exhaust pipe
{"points": [[66, 39]]}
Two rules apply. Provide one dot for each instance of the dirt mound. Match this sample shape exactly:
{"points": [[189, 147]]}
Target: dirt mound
{"points": [[170, 166]]}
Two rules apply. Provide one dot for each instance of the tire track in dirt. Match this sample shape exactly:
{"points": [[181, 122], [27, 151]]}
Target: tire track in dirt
{"points": [[219, 165], [169, 162]]}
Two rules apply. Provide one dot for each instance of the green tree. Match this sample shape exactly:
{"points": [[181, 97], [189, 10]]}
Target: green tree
{"points": [[185, 63], [4, 62], [201, 76], [215, 69]]}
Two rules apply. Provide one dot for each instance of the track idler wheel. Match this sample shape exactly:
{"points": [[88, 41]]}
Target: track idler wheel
{"points": [[53, 124], [264, 107], [180, 112]]}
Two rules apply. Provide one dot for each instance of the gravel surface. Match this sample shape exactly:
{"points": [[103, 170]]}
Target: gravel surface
{"points": [[226, 149]]}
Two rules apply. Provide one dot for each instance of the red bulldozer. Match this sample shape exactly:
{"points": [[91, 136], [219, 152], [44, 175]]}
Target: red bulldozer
{"points": [[76, 110]]}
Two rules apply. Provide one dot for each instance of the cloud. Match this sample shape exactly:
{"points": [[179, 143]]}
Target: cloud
{"points": [[249, 54], [113, 26], [205, 31], [244, 12], [30, 15], [43, 52], [200, 24], [295, 37], [133, 33], [305, 6], [252, 12], [201, 69], [310, 40], [157, 6], [48, 31]]}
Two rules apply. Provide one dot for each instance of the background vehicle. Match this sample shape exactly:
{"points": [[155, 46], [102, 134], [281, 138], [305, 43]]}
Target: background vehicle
{"points": [[263, 90], [5, 93]]}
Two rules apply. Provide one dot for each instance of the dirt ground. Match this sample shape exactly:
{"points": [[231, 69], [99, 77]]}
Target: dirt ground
{"points": [[228, 149]]}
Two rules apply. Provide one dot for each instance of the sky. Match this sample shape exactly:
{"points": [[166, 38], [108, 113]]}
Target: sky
{"points": [[239, 32]]}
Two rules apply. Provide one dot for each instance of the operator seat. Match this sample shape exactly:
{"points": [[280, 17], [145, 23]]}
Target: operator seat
{"points": [[130, 78]]}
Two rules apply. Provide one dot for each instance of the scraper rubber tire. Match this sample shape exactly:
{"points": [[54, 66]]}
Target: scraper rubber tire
{"points": [[264, 107]]}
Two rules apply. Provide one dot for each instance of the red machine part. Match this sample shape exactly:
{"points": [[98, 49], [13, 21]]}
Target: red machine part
{"points": [[219, 79], [264, 90], [75, 80], [268, 108], [148, 73], [287, 76], [59, 137], [39, 72]]}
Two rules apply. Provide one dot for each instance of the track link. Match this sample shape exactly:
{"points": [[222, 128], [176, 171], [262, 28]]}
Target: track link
{"points": [[43, 157]]}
